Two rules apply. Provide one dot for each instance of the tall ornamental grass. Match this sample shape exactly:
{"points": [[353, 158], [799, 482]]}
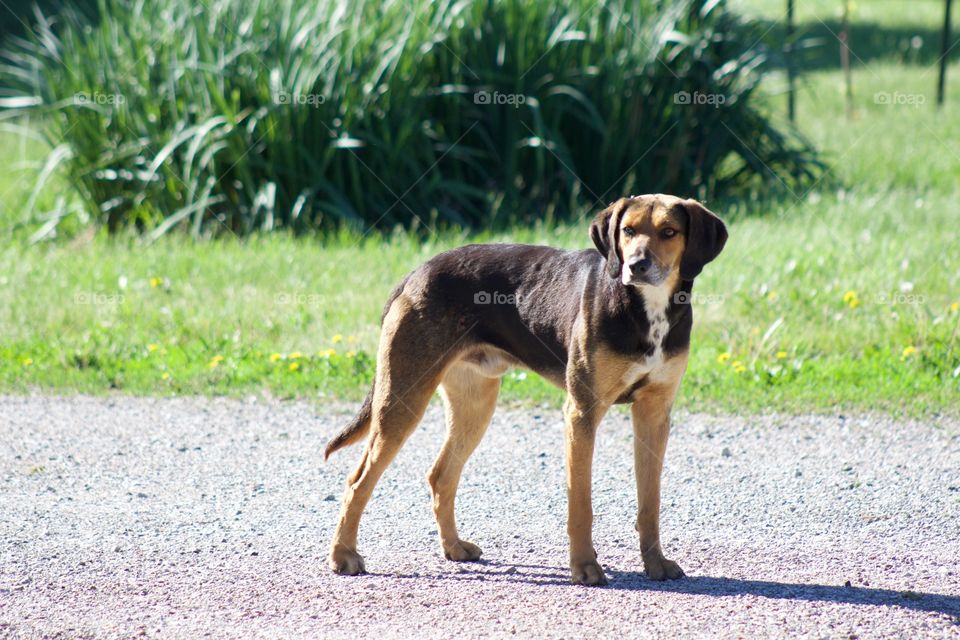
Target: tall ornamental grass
{"points": [[247, 115]]}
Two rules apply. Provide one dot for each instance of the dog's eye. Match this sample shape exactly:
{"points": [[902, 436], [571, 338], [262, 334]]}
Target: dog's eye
{"points": [[668, 233], [629, 232]]}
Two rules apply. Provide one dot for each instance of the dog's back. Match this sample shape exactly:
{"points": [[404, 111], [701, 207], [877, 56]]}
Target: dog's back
{"points": [[522, 299]]}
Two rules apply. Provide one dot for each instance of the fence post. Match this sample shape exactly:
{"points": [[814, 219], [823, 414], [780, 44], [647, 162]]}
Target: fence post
{"points": [[845, 56], [944, 53], [791, 72]]}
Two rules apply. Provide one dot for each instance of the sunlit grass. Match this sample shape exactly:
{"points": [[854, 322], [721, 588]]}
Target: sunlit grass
{"points": [[833, 304], [840, 298]]}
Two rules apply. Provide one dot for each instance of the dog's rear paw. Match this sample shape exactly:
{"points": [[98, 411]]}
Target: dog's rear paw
{"points": [[462, 551], [659, 568], [346, 561], [588, 573]]}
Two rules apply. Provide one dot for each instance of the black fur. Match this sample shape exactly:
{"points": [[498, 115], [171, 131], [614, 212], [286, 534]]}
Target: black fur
{"points": [[536, 295]]}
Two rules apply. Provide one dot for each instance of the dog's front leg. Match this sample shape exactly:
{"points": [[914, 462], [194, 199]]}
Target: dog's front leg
{"points": [[651, 426], [581, 418]]}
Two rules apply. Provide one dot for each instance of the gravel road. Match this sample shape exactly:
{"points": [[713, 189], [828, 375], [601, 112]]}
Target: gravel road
{"points": [[184, 518]]}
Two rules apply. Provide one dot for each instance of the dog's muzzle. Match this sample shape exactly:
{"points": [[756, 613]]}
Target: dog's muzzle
{"points": [[642, 270]]}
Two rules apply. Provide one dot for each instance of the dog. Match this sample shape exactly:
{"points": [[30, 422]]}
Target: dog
{"points": [[608, 326]]}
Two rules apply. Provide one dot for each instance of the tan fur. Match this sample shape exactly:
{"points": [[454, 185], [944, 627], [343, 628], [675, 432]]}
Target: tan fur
{"points": [[589, 400], [648, 219], [651, 426], [469, 398], [402, 391], [415, 358]]}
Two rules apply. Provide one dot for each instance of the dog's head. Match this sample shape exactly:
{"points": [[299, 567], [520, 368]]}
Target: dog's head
{"points": [[657, 239]]}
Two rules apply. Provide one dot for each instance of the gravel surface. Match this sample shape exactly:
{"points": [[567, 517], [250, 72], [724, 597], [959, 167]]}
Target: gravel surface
{"points": [[183, 518]]}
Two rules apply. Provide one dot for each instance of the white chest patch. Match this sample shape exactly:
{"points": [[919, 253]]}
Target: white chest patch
{"points": [[656, 300]]}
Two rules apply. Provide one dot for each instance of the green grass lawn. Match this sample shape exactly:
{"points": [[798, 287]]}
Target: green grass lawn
{"points": [[840, 298]]}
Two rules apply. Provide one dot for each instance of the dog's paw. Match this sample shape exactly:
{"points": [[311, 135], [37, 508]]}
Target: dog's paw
{"points": [[659, 568], [462, 551], [346, 561], [589, 572]]}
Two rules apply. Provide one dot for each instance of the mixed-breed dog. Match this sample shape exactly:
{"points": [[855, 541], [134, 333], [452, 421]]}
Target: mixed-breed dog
{"points": [[609, 326]]}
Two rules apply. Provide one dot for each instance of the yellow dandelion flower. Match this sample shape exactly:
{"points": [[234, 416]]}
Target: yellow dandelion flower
{"points": [[295, 355], [955, 307], [155, 282], [152, 347], [851, 299], [27, 362], [781, 355], [772, 296], [909, 351], [723, 357], [350, 354], [337, 339], [165, 376], [275, 356], [327, 353], [738, 366], [294, 366], [215, 362]]}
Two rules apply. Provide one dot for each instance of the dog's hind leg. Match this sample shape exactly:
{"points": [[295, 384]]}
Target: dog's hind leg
{"points": [[394, 420], [407, 376], [469, 398]]}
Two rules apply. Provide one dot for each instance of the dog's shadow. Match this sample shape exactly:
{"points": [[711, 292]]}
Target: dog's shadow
{"points": [[711, 586]]}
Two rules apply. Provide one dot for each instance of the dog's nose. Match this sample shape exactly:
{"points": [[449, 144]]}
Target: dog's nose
{"points": [[640, 265]]}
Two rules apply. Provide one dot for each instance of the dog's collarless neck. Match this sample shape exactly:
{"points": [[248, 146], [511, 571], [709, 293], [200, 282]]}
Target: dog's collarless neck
{"points": [[645, 328]]}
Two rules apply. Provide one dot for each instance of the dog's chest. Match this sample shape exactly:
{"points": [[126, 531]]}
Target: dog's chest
{"points": [[656, 302]]}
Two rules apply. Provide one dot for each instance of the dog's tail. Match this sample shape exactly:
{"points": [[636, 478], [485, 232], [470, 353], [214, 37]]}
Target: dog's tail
{"points": [[354, 431], [357, 429]]}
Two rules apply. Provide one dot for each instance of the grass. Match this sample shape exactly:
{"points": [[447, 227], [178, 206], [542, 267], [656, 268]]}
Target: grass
{"points": [[113, 314], [842, 298], [894, 13], [240, 116]]}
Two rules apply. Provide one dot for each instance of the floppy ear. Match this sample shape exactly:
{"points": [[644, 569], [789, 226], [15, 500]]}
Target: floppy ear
{"points": [[605, 233], [706, 235]]}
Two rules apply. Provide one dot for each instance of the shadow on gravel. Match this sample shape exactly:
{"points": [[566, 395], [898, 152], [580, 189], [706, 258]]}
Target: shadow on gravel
{"points": [[711, 586], [541, 575]]}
